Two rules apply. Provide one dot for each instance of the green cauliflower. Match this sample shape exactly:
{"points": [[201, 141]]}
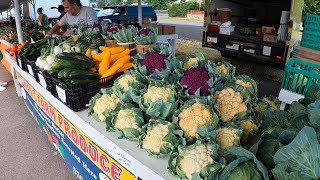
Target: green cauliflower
{"points": [[159, 137]]}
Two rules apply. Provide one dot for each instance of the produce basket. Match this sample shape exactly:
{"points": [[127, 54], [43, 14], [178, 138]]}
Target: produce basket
{"points": [[22, 62], [45, 80], [32, 69], [300, 75], [77, 96], [311, 32]]}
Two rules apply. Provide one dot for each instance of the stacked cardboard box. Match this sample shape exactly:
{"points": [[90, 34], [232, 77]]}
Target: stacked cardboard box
{"points": [[162, 29]]}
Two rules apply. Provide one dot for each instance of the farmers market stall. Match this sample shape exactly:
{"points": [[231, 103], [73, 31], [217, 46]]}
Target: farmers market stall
{"points": [[111, 98]]}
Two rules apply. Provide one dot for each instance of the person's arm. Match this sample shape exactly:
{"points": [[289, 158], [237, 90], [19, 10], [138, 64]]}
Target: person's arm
{"points": [[91, 16], [58, 25], [54, 29]]}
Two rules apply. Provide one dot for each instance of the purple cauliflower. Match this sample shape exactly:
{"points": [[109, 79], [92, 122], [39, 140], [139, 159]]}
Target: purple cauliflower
{"points": [[113, 28], [195, 78], [144, 32], [153, 61], [97, 26]]}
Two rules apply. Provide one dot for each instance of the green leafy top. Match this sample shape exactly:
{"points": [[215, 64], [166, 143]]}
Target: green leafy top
{"points": [[301, 158]]}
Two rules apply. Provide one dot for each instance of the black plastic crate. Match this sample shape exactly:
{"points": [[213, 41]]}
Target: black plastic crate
{"points": [[77, 96], [32, 69], [45, 80], [21, 62]]}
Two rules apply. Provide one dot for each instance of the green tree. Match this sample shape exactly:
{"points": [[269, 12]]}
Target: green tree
{"points": [[311, 6], [159, 4], [115, 2], [128, 2], [101, 3]]}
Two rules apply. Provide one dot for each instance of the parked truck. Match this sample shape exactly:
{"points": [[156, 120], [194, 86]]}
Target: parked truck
{"points": [[253, 29]]}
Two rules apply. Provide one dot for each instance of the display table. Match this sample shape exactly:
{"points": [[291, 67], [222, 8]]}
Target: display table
{"points": [[3, 46], [87, 149]]}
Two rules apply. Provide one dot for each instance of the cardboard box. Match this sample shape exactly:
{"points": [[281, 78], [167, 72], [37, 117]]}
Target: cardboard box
{"points": [[222, 19], [270, 37], [168, 29], [159, 26], [226, 30], [269, 34], [224, 12]]}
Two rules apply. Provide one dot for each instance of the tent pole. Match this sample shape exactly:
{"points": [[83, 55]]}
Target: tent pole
{"points": [[18, 20], [139, 12]]}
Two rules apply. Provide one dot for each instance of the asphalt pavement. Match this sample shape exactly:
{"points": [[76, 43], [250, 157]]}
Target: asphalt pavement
{"points": [[25, 153]]}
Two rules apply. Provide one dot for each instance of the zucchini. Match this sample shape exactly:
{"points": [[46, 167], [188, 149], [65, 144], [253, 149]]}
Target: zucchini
{"points": [[57, 66], [83, 74], [82, 81], [75, 56], [74, 63], [64, 73]]}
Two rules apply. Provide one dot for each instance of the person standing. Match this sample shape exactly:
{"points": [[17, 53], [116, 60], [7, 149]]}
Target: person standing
{"points": [[42, 18], [76, 14]]}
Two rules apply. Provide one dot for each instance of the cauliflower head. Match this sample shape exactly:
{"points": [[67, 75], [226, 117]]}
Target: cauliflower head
{"points": [[159, 137], [229, 103], [243, 83], [188, 64], [104, 103], [158, 93], [124, 80], [222, 69], [248, 127], [228, 137], [154, 138], [194, 159], [191, 117], [126, 119]]}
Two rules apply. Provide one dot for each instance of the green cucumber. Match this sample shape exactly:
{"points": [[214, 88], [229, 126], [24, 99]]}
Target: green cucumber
{"points": [[83, 74], [74, 56], [57, 66], [64, 73], [82, 81], [76, 64]]}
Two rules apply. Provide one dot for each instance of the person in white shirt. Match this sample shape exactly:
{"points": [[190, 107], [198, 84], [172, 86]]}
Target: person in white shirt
{"points": [[76, 14]]}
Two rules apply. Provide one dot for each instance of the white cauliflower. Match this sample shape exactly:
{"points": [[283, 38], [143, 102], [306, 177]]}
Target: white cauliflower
{"points": [[105, 102], [153, 139], [189, 63], [222, 69], [191, 117], [123, 82], [229, 103], [243, 83], [193, 160], [126, 119], [155, 93], [228, 137]]}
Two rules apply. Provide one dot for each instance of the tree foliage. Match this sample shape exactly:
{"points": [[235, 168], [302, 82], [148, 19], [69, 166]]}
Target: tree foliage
{"points": [[101, 3], [312, 7], [115, 2], [159, 4]]}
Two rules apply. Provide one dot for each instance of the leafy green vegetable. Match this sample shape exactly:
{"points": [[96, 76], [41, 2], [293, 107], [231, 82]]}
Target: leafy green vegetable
{"points": [[246, 170], [242, 155], [301, 158]]}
